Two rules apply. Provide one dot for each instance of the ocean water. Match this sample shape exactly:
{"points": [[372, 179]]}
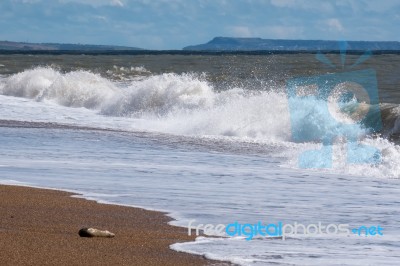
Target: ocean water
{"points": [[209, 139]]}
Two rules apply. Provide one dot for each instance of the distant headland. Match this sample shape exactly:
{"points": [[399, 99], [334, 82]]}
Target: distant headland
{"points": [[258, 44], [25, 46]]}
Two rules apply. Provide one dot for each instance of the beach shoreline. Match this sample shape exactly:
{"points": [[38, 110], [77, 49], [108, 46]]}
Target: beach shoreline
{"points": [[40, 227]]}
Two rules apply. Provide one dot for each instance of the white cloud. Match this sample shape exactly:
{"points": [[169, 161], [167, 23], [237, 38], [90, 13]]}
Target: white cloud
{"points": [[283, 3], [117, 3], [321, 6], [101, 18], [381, 6], [334, 25], [95, 3], [27, 1], [272, 31], [240, 31], [282, 32]]}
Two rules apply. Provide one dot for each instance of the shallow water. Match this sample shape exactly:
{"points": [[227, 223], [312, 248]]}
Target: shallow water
{"points": [[211, 186]]}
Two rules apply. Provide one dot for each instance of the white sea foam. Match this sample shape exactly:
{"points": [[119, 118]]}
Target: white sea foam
{"points": [[128, 73], [187, 104], [74, 89]]}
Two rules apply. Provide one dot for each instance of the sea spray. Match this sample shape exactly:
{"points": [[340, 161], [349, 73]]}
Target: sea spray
{"points": [[73, 89], [187, 104]]}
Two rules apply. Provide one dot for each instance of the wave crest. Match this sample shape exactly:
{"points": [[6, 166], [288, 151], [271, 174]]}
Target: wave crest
{"points": [[73, 89], [160, 95], [186, 104]]}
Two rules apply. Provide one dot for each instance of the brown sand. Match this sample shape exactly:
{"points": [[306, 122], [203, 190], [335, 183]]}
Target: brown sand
{"points": [[40, 227]]}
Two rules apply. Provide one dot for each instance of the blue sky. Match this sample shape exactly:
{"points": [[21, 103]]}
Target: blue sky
{"points": [[173, 24]]}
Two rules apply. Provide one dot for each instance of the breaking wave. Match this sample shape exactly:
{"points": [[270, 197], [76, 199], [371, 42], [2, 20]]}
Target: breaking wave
{"points": [[187, 104]]}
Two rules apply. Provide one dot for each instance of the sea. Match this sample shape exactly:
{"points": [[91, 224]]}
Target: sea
{"points": [[219, 138]]}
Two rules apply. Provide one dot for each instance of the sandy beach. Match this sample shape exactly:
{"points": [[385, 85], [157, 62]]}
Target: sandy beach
{"points": [[40, 227]]}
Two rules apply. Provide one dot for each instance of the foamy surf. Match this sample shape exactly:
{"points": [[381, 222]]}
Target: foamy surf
{"points": [[187, 104]]}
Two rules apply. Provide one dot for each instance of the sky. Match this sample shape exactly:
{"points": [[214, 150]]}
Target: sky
{"points": [[174, 24]]}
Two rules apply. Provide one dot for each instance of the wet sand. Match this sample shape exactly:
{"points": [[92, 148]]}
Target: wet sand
{"points": [[40, 227]]}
